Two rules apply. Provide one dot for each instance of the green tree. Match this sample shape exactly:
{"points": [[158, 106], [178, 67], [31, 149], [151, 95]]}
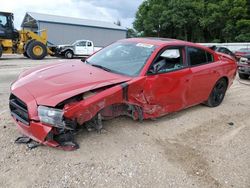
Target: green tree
{"points": [[184, 16], [195, 20], [118, 22], [243, 27], [148, 18]]}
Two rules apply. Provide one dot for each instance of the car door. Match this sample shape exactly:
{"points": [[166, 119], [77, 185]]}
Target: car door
{"points": [[90, 48], [80, 48], [165, 90], [203, 75]]}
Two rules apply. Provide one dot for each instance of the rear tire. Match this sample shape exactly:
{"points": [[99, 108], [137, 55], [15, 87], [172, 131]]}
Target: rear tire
{"points": [[69, 54], [218, 93], [36, 50], [243, 76], [1, 51]]}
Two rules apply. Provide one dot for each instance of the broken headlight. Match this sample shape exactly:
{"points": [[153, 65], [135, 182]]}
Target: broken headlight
{"points": [[51, 116]]}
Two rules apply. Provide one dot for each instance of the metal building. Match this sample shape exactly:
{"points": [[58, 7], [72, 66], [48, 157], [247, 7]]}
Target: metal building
{"points": [[65, 30]]}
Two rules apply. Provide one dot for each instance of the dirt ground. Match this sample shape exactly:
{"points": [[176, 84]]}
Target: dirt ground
{"points": [[196, 147]]}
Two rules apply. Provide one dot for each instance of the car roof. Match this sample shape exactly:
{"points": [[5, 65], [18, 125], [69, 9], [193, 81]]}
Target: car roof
{"points": [[151, 40], [164, 42], [81, 40]]}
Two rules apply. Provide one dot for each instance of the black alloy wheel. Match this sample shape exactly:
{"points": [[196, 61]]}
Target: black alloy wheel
{"points": [[217, 95]]}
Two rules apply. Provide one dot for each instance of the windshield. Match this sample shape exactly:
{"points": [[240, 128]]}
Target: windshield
{"points": [[78, 42], [123, 58], [75, 43], [3, 20]]}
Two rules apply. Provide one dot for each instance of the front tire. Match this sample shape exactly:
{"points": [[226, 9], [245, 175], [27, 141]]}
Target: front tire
{"points": [[243, 76], [36, 50], [218, 93], [69, 54]]}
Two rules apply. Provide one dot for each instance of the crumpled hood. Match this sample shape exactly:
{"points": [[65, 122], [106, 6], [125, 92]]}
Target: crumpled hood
{"points": [[54, 83]]}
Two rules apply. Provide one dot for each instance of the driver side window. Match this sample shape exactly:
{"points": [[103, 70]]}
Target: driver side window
{"points": [[82, 43], [89, 44], [169, 60]]}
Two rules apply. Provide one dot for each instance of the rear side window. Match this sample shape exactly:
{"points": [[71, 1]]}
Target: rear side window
{"points": [[82, 43], [89, 44], [198, 56], [210, 57]]}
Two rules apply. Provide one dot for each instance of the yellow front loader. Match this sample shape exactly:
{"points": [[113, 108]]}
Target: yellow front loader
{"points": [[28, 43]]}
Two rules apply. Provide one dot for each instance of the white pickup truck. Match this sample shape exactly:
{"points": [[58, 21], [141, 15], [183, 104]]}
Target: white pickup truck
{"points": [[80, 48]]}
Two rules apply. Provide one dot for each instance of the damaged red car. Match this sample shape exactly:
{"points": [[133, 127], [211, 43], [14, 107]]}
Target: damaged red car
{"points": [[142, 78]]}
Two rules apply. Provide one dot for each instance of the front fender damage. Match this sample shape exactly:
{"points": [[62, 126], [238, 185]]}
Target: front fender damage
{"points": [[90, 109]]}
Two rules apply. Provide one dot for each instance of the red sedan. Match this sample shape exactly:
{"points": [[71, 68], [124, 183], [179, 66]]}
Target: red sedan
{"points": [[142, 78]]}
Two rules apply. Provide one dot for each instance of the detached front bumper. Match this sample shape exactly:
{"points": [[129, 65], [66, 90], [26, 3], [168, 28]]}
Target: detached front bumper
{"points": [[23, 110], [25, 116], [43, 134], [36, 131]]}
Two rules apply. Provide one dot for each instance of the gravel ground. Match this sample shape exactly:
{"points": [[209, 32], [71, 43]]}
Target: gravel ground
{"points": [[196, 147]]}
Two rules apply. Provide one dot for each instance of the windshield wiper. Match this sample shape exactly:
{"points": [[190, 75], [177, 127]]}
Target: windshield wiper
{"points": [[102, 67]]}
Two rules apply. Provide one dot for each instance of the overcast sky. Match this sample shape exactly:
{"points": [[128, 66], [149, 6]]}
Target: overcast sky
{"points": [[105, 10]]}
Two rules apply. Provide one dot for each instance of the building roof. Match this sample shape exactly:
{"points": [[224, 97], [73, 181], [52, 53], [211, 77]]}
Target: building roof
{"points": [[72, 21]]}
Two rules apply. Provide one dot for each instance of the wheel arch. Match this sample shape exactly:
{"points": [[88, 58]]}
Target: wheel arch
{"points": [[208, 101], [222, 77], [225, 78], [68, 49]]}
